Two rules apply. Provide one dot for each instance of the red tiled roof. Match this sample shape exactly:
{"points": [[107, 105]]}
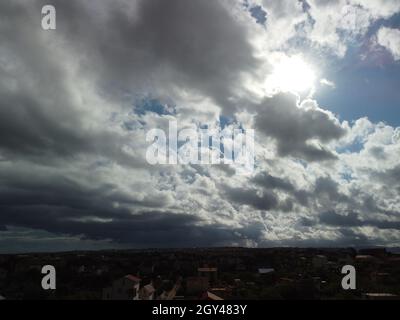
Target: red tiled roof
{"points": [[213, 296], [132, 278]]}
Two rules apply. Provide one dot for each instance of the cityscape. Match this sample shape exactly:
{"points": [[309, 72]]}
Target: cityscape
{"points": [[203, 274]]}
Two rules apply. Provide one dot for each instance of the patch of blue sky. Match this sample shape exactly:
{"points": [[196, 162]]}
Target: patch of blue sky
{"points": [[147, 104], [393, 22], [355, 147], [305, 5], [364, 91], [257, 12], [347, 176], [367, 81], [225, 121]]}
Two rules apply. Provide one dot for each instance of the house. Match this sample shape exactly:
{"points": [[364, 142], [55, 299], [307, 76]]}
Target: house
{"points": [[222, 292], [126, 288], [364, 257], [381, 277], [376, 252], [395, 261], [320, 261], [262, 271], [346, 260], [210, 296], [286, 280], [366, 260], [169, 293], [267, 275], [210, 273], [196, 285], [147, 292]]}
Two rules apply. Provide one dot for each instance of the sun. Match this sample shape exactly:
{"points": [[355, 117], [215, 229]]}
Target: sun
{"points": [[292, 74]]}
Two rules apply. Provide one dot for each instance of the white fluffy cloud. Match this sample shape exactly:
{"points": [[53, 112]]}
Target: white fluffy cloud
{"points": [[390, 39], [328, 24]]}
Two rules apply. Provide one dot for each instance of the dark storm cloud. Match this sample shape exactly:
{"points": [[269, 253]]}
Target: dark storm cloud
{"points": [[306, 222], [30, 190], [328, 188], [352, 219], [147, 229], [30, 123], [334, 219], [59, 205], [39, 114], [197, 45], [293, 128], [27, 128], [268, 181], [250, 197]]}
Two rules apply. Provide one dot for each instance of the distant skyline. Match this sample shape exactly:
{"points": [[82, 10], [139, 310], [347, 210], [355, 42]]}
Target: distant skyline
{"points": [[318, 82]]}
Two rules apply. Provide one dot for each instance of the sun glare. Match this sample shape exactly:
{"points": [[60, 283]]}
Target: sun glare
{"points": [[292, 74]]}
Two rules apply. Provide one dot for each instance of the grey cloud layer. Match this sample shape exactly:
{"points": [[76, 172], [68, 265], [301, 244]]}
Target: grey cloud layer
{"points": [[69, 164], [293, 126], [198, 46]]}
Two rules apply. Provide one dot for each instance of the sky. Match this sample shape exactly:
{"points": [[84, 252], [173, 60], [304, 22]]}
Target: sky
{"points": [[318, 82]]}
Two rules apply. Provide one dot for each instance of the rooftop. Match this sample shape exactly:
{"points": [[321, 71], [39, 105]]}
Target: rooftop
{"points": [[266, 270], [132, 278], [207, 269]]}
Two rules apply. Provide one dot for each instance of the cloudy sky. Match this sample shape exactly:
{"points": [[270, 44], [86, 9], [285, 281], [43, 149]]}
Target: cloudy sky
{"points": [[318, 81]]}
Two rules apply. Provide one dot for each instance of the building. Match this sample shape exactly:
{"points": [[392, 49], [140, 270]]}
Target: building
{"points": [[147, 292], [376, 252], [210, 296], [169, 294], [263, 271], [196, 285], [366, 260], [210, 273], [320, 261], [126, 288], [381, 277], [267, 275]]}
